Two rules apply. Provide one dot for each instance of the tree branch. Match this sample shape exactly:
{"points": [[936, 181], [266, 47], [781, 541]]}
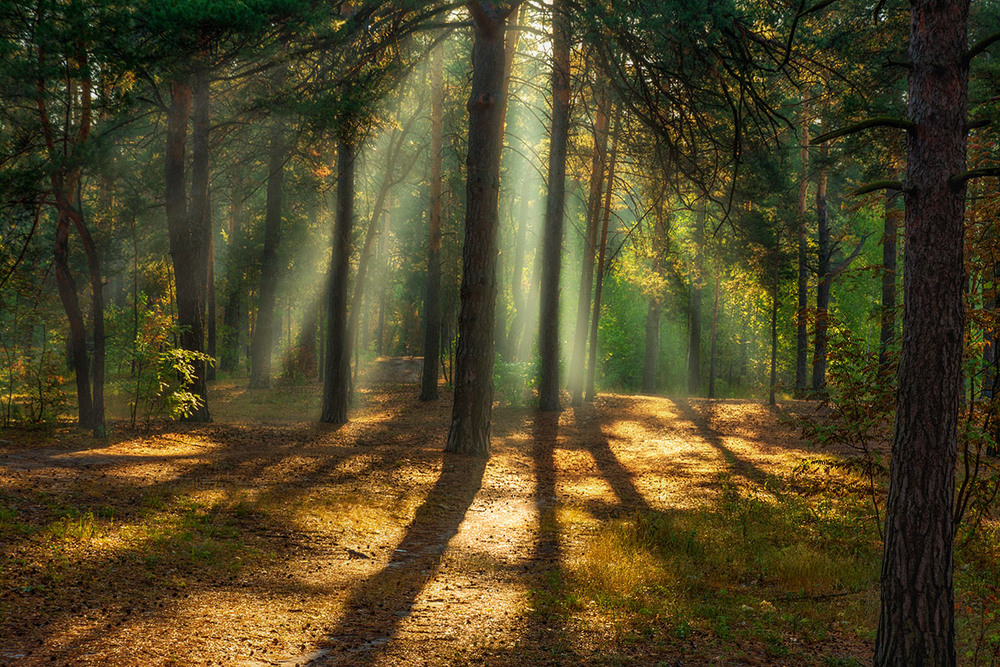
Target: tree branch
{"points": [[980, 46], [982, 172], [875, 186], [886, 121]]}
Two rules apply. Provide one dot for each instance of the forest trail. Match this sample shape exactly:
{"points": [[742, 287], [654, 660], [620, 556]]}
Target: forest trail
{"points": [[258, 544]]}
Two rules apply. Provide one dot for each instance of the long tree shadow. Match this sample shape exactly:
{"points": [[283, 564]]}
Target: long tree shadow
{"points": [[739, 465], [379, 604], [622, 480]]}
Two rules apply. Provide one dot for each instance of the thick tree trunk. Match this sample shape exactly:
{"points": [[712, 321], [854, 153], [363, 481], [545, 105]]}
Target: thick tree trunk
{"points": [[822, 286], [188, 243], [651, 354], [599, 287], [891, 223], [802, 313], [548, 327], [337, 376], [916, 626], [471, 412], [694, 331], [432, 291], [598, 164], [262, 347]]}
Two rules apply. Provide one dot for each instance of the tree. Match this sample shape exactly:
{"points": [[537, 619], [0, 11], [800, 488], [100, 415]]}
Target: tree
{"points": [[471, 412], [916, 622], [432, 294], [548, 327]]}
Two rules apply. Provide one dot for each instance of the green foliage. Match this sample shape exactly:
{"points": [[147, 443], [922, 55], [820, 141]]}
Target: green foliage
{"points": [[514, 381], [153, 372]]}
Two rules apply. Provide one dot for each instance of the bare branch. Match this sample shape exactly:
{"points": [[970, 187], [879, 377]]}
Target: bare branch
{"points": [[886, 121], [875, 186]]}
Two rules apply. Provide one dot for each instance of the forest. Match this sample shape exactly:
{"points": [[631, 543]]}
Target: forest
{"points": [[527, 332]]}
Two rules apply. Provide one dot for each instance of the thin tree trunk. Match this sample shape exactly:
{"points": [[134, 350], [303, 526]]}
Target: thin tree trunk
{"points": [[337, 378], [577, 367], [210, 306], [232, 309], [602, 247], [262, 348], [77, 332], [694, 331], [822, 286], [773, 384], [714, 337], [916, 625], [548, 329], [802, 313], [432, 291], [97, 314], [471, 412], [891, 223], [651, 354]]}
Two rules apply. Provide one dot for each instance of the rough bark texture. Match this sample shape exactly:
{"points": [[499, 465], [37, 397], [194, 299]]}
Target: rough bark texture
{"points": [[822, 286], [471, 412], [432, 292], [548, 321], [337, 374], [801, 314], [891, 223], [187, 227], [262, 347], [597, 168], [916, 626]]}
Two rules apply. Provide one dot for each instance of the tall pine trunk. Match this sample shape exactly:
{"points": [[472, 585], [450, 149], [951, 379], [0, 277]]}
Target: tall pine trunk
{"points": [[713, 337], [694, 331], [432, 291], [262, 347], [232, 317], [801, 314], [651, 353], [822, 285], [548, 319], [472, 409], [776, 271], [337, 374], [916, 625]]}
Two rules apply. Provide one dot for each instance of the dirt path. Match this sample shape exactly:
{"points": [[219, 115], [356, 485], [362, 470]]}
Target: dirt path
{"points": [[263, 544]]}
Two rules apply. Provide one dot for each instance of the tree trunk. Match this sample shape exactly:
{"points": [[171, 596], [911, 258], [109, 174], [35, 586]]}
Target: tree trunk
{"points": [[773, 385], [471, 412], [337, 377], [432, 291], [651, 355], [77, 332], [916, 625], [577, 368], [891, 220], [232, 309], [211, 315], [822, 286], [801, 314], [713, 337], [602, 247], [188, 243], [97, 314], [262, 348], [548, 329], [694, 340]]}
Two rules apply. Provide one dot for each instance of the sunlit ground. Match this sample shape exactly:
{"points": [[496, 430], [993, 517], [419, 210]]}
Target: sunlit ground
{"points": [[641, 530]]}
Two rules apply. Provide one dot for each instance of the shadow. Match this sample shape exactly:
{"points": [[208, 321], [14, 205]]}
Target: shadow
{"points": [[593, 438], [739, 466], [379, 604]]}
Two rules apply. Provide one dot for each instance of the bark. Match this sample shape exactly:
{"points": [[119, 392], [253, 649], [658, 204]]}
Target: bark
{"points": [[337, 375], [694, 340], [211, 315], [599, 287], [432, 291], [232, 308], [188, 227], [891, 223], [548, 327], [651, 354], [77, 331], [801, 314], [513, 337], [916, 624], [471, 412], [598, 164], [822, 286], [262, 347], [97, 315], [776, 269]]}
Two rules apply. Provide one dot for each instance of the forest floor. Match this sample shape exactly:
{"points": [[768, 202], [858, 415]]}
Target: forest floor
{"points": [[637, 530]]}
